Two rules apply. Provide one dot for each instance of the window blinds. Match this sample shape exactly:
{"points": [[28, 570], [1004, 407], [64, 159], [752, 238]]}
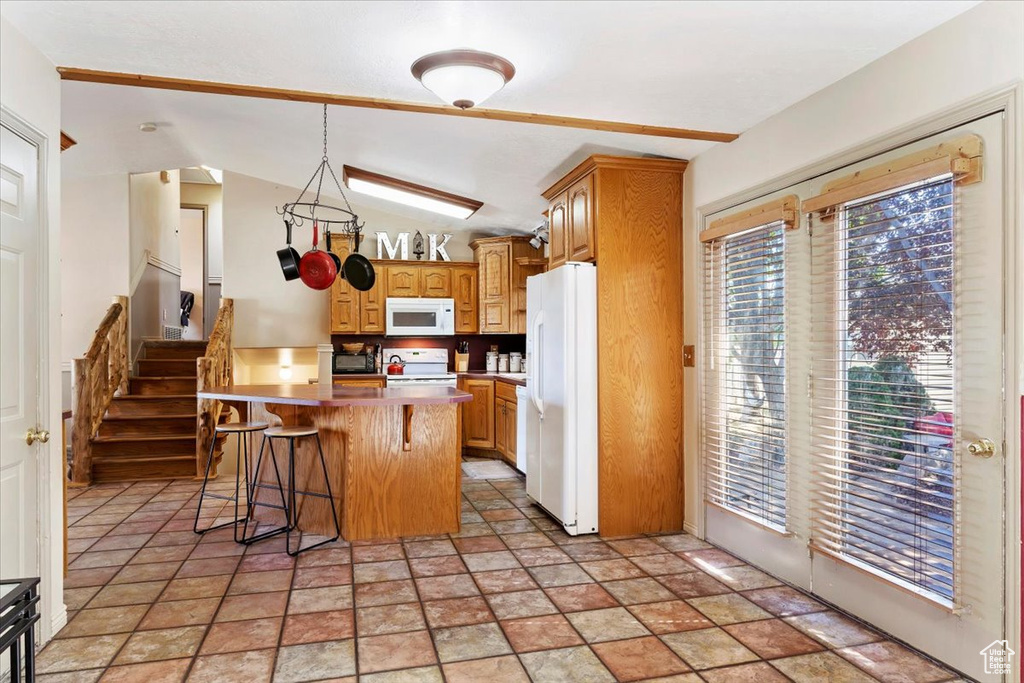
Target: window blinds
{"points": [[744, 426], [884, 399]]}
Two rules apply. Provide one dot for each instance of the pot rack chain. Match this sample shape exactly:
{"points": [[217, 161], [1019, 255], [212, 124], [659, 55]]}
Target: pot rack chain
{"points": [[348, 225]]}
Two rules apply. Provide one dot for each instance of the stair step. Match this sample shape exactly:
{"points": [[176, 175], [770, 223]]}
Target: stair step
{"points": [[159, 467], [188, 350], [181, 424], [162, 386], [167, 367], [152, 405], [129, 446]]}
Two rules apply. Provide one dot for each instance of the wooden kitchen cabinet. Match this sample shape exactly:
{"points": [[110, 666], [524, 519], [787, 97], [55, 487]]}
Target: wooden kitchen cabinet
{"points": [[580, 241], [354, 312], [632, 208], [344, 297], [478, 414], [436, 282], [403, 280], [371, 305], [558, 223], [505, 412], [504, 264], [464, 290]]}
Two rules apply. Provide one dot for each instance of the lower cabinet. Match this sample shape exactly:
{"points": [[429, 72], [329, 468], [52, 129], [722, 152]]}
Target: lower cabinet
{"points": [[489, 420], [478, 414]]}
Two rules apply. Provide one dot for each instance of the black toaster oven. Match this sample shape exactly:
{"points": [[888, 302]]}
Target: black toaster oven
{"points": [[345, 363]]}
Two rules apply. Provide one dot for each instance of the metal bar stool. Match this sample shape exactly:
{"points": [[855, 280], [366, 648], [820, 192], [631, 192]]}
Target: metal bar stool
{"points": [[291, 510], [241, 429]]}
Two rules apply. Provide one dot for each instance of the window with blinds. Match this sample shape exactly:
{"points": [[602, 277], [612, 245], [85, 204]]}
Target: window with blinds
{"points": [[745, 389], [883, 410]]}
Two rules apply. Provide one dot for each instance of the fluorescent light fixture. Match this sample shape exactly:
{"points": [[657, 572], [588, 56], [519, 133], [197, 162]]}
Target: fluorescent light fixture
{"points": [[285, 372], [409, 194]]}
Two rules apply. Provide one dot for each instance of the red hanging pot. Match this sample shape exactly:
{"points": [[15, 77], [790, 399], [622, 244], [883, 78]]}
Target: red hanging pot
{"points": [[317, 269]]}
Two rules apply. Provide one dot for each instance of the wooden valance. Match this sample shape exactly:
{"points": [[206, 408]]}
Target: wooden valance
{"points": [[784, 209], [962, 157]]}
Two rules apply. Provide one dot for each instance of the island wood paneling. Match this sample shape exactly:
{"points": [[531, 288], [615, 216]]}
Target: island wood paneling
{"points": [[380, 490], [639, 330]]}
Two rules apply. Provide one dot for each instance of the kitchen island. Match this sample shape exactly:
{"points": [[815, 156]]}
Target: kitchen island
{"points": [[393, 455]]}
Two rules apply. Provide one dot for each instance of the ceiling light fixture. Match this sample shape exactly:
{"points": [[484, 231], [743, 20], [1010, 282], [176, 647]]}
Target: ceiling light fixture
{"points": [[148, 127], [463, 78], [410, 194]]}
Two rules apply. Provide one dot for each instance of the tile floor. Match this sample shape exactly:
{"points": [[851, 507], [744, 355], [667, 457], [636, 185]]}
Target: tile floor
{"points": [[509, 598]]}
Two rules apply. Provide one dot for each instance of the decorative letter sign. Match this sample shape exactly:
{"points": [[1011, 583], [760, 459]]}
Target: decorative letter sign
{"points": [[438, 249], [400, 249], [384, 245]]}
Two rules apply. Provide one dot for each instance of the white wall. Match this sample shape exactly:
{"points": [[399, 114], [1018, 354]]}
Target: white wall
{"points": [[30, 89], [94, 255], [976, 52], [154, 214], [270, 312]]}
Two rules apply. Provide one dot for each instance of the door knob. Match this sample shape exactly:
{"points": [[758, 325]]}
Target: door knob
{"points": [[31, 436], [983, 448]]}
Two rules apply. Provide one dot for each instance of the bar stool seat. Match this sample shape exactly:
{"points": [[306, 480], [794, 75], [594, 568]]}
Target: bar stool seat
{"points": [[288, 499], [235, 427], [290, 432]]}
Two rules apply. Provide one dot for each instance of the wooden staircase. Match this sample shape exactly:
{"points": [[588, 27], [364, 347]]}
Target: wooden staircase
{"points": [[150, 433]]}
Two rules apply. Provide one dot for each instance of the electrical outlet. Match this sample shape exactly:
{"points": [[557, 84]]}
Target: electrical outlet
{"points": [[689, 357]]}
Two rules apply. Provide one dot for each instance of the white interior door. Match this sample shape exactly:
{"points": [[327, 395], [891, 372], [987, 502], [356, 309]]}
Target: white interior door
{"points": [[191, 235], [909, 531], [19, 362]]}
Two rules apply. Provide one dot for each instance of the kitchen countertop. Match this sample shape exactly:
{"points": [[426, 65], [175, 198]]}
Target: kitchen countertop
{"points": [[335, 396], [516, 378]]}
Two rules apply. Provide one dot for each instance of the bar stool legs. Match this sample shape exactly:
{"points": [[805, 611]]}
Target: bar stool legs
{"points": [[241, 471], [253, 503], [293, 522]]}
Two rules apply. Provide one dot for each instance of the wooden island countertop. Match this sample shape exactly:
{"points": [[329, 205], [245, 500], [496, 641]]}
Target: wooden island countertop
{"points": [[336, 396], [393, 455]]}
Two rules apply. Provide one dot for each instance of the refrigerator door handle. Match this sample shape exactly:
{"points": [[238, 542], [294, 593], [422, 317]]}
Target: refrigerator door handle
{"points": [[536, 364]]}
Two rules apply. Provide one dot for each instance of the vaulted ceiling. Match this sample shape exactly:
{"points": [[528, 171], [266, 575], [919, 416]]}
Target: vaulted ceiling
{"points": [[721, 66]]}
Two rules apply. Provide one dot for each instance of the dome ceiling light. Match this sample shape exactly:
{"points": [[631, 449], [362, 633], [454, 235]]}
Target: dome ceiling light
{"points": [[463, 78]]}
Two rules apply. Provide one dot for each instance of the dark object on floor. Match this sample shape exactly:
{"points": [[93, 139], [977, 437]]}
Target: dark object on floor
{"points": [[188, 300], [18, 615]]}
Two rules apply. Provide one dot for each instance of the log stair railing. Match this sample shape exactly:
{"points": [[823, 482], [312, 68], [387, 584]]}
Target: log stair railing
{"points": [[213, 370], [97, 377]]}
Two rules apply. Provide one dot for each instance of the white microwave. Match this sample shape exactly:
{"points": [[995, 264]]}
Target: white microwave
{"points": [[409, 317]]}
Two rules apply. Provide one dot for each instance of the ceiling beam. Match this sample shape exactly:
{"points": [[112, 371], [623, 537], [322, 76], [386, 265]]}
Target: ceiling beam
{"points": [[214, 88]]}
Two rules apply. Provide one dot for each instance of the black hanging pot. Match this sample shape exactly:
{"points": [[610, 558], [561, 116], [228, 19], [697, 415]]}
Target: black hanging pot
{"points": [[288, 257], [330, 252], [358, 271]]}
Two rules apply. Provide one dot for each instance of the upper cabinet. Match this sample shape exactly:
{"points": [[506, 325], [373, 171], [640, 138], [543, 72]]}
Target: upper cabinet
{"points": [[504, 264], [580, 241], [572, 235], [354, 312], [558, 223], [344, 297], [464, 291]]}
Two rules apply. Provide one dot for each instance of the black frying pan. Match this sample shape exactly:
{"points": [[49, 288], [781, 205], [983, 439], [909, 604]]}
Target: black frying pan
{"points": [[358, 270], [288, 257], [334, 257]]}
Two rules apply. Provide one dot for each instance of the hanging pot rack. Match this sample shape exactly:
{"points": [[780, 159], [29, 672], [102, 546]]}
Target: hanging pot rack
{"points": [[332, 219]]}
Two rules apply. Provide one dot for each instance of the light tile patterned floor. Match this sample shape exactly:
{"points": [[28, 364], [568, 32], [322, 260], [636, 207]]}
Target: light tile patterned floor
{"points": [[510, 598]]}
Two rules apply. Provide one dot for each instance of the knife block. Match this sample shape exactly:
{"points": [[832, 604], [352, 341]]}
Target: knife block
{"points": [[461, 362]]}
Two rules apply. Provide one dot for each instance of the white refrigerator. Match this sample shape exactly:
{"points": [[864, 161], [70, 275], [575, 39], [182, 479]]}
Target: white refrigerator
{"points": [[561, 383]]}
